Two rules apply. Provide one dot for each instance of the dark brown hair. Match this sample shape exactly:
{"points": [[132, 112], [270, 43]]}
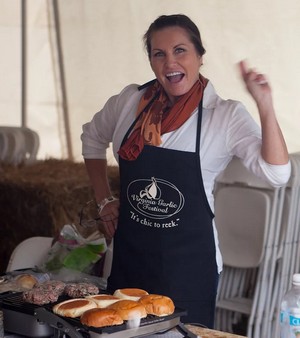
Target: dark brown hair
{"points": [[178, 20]]}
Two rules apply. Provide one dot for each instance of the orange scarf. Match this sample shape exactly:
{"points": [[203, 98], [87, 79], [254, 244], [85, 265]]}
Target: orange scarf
{"points": [[157, 118]]}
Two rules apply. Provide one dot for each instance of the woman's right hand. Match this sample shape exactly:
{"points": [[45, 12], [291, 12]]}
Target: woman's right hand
{"points": [[257, 85]]}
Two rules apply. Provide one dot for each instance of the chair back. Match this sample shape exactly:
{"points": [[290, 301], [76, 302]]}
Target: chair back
{"points": [[29, 253]]}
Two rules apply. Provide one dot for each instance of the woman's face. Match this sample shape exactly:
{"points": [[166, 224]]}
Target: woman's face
{"points": [[174, 61]]}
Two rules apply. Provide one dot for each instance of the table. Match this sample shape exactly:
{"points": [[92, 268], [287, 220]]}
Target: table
{"points": [[206, 333], [201, 332]]}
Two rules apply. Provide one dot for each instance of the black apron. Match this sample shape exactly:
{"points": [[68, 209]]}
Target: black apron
{"points": [[164, 242]]}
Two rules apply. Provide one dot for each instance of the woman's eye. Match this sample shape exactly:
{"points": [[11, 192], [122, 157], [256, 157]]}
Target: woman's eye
{"points": [[158, 54], [179, 50]]}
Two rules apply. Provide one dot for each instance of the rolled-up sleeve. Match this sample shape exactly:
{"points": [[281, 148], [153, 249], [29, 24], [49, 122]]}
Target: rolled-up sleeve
{"points": [[92, 147], [277, 175]]}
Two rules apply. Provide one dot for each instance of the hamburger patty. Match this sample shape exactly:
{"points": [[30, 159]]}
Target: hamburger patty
{"points": [[77, 290], [44, 293], [49, 291]]}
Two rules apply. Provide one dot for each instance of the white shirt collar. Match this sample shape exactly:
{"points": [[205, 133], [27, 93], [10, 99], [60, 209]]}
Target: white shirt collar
{"points": [[210, 96]]}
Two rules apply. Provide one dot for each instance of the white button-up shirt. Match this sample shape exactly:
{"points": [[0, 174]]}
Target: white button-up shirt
{"points": [[227, 130]]}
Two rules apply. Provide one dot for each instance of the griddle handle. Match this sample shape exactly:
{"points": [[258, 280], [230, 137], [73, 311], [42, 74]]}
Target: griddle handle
{"points": [[57, 322], [186, 332]]}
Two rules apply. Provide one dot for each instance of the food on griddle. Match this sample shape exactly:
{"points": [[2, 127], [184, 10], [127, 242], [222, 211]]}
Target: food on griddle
{"points": [[129, 309], [74, 307], [158, 305], [44, 293], [101, 317], [26, 281], [130, 293], [103, 300], [77, 290]]}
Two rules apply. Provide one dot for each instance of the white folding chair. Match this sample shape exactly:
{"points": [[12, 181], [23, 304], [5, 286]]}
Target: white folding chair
{"points": [[19, 144], [289, 248], [15, 144], [29, 253], [32, 143], [9, 144], [248, 213]]}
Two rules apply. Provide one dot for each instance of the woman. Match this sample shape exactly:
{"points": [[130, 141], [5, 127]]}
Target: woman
{"points": [[172, 137]]}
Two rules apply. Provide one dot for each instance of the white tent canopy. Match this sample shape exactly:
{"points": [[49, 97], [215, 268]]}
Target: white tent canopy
{"points": [[102, 51]]}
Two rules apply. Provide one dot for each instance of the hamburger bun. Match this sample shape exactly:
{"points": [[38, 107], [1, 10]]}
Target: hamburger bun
{"points": [[103, 300], [158, 305], [129, 309], [101, 317], [74, 307], [130, 293], [26, 281]]}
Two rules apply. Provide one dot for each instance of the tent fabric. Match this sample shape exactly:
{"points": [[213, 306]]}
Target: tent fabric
{"points": [[102, 52]]}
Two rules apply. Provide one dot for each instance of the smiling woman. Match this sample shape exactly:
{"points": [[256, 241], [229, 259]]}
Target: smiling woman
{"points": [[172, 137], [175, 61]]}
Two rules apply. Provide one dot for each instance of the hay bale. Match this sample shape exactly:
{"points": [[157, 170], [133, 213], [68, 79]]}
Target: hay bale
{"points": [[39, 199]]}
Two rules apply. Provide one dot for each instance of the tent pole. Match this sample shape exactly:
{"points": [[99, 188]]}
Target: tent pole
{"points": [[62, 79], [23, 64]]}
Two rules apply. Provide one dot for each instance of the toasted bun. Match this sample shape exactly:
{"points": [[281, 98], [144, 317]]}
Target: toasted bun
{"points": [[26, 281], [103, 300], [74, 307], [129, 309], [130, 293], [101, 317], [157, 305]]}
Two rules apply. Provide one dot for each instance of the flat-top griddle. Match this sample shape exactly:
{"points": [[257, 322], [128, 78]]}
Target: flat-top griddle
{"points": [[39, 321]]}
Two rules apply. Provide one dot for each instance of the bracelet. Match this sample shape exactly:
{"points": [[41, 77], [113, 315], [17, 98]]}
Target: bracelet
{"points": [[105, 201]]}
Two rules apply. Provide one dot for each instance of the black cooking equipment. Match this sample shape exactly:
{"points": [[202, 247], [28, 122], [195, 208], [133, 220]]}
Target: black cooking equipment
{"points": [[39, 321]]}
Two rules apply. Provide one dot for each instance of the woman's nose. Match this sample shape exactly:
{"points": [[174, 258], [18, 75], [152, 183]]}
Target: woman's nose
{"points": [[170, 59]]}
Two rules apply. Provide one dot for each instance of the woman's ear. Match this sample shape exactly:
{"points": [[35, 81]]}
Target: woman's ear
{"points": [[200, 60]]}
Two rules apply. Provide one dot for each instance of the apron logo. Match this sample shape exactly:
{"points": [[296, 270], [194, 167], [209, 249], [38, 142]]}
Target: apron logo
{"points": [[155, 198]]}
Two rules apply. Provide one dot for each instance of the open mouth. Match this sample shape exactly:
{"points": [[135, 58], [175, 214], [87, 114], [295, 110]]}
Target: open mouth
{"points": [[175, 77]]}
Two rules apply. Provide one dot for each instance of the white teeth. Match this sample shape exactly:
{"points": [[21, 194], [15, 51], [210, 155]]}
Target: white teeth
{"points": [[174, 73]]}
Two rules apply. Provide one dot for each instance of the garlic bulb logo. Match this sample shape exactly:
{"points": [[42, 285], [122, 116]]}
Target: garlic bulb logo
{"points": [[152, 191], [155, 197]]}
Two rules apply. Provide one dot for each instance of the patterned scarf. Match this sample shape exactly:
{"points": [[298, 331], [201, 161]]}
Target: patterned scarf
{"points": [[158, 118]]}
